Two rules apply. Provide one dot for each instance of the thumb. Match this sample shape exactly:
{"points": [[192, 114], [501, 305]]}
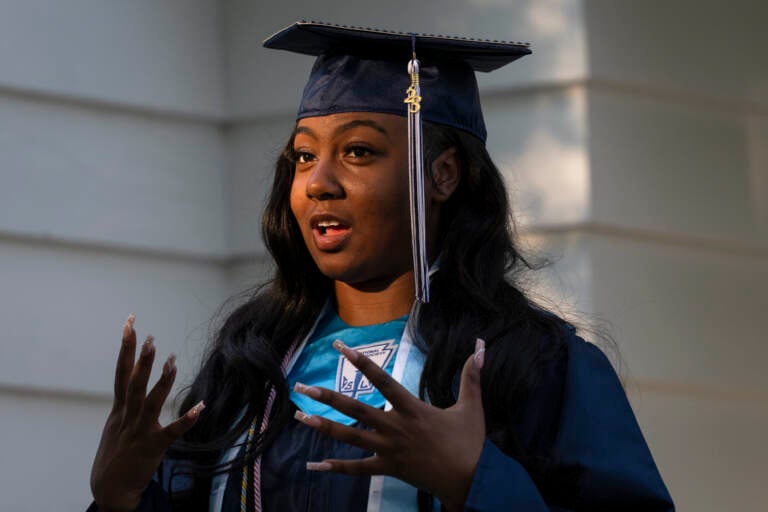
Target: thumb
{"points": [[470, 392]]}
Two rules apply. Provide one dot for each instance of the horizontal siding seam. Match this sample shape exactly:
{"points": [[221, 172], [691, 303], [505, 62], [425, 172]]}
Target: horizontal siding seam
{"points": [[698, 391], [680, 96], [731, 246], [735, 247]]}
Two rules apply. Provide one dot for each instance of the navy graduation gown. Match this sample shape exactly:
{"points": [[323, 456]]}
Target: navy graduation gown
{"points": [[598, 447], [579, 421]]}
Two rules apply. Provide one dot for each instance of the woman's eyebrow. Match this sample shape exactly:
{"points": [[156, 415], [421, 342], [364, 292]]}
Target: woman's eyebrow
{"points": [[306, 131], [360, 122]]}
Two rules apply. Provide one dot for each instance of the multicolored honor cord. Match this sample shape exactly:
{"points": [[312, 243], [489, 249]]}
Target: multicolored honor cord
{"points": [[256, 480], [416, 174]]}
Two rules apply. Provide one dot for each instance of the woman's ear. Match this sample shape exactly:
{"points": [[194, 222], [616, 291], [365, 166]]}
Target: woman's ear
{"points": [[446, 171]]}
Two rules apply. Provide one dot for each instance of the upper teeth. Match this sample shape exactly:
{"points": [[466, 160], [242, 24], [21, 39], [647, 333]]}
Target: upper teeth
{"points": [[327, 223]]}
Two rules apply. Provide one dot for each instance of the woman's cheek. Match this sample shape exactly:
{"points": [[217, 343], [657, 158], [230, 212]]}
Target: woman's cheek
{"points": [[294, 199]]}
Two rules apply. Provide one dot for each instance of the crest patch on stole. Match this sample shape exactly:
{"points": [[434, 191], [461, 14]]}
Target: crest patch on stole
{"points": [[350, 381]]}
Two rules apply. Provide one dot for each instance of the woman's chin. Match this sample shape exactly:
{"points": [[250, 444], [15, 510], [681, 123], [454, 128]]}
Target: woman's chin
{"points": [[364, 279], [338, 270]]}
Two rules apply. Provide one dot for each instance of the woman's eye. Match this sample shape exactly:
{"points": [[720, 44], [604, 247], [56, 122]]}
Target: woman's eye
{"points": [[302, 157], [359, 151]]}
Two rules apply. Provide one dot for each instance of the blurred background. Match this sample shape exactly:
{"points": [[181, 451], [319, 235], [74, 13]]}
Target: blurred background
{"points": [[136, 144]]}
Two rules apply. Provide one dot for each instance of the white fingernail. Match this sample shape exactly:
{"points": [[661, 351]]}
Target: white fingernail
{"points": [[479, 352], [148, 345], [319, 466], [310, 391], [197, 409], [307, 419], [351, 354], [169, 365]]}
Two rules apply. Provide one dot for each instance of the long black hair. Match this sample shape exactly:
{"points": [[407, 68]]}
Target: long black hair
{"points": [[476, 293]]}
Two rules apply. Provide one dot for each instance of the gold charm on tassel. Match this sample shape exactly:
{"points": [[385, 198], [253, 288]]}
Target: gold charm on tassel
{"points": [[411, 96]]}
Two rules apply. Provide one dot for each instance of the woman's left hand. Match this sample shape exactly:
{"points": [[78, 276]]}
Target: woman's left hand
{"points": [[430, 448]]}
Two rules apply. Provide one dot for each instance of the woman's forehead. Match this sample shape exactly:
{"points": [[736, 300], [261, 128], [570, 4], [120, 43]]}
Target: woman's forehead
{"points": [[392, 126]]}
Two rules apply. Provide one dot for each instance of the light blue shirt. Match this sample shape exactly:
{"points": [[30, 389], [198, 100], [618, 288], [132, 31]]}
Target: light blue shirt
{"points": [[322, 365]]}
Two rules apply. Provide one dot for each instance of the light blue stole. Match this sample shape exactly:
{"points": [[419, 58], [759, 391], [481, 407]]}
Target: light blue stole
{"points": [[385, 494]]}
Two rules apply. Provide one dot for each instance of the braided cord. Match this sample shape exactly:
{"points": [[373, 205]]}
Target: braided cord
{"points": [[257, 507]]}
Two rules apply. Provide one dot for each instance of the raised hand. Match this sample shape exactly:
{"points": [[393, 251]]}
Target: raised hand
{"points": [[133, 441], [430, 448]]}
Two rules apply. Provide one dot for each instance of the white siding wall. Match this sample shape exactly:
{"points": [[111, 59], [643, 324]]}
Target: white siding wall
{"points": [[138, 140], [114, 198], [678, 106], [160, 55]]}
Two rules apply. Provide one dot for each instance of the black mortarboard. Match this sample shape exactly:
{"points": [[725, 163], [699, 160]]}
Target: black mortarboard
{"points": [[364, 70], [371, 70]]}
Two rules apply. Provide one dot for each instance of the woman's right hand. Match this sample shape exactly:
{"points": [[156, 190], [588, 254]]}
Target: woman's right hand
{"points": [[133, 442]]}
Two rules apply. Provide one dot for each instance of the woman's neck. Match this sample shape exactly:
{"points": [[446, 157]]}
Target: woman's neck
{"points": [[374, 303]]}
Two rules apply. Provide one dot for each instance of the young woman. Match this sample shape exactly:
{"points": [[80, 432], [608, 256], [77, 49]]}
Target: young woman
{"points": [[331, 388]]}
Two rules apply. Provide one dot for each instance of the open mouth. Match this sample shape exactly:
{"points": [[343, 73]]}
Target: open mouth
{"points": [[330, 233], [331, 228]]}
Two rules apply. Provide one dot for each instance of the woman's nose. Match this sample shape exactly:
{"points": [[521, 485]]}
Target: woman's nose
{"points": [[323, 183]]}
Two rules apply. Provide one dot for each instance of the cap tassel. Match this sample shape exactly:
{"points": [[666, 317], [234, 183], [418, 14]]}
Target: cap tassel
{"points": [[416, 174]]}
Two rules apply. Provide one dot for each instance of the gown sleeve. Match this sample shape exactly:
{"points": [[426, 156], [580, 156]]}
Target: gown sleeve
{"points": [[156, 497], [598, 446]]}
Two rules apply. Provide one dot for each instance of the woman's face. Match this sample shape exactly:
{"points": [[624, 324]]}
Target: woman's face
{"points": [[350, 195]]}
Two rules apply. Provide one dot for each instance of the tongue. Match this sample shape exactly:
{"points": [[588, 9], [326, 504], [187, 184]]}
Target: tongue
{"points": [[335, 230]]}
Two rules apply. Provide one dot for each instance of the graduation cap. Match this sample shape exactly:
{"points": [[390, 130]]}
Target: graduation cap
{"points": [[372, 70]]}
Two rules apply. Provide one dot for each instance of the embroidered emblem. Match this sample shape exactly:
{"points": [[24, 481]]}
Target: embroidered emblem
{"points": [[350, 381]]}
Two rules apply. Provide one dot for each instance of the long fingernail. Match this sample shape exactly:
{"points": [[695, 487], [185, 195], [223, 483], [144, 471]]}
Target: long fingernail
{"points": [[310, 391], [312, 421], [479, 352], [350, 354], [128, 326], [169, 365], [198, 408], [319, 466], [148, 346]]}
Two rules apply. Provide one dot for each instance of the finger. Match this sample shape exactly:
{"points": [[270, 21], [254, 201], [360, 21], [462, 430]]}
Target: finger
{"points": [[137, 384], [397, 395], [125, 362], [174, 430], [156, 398], [368, 466], [353, 408], [364, 439], [470, 391]]}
